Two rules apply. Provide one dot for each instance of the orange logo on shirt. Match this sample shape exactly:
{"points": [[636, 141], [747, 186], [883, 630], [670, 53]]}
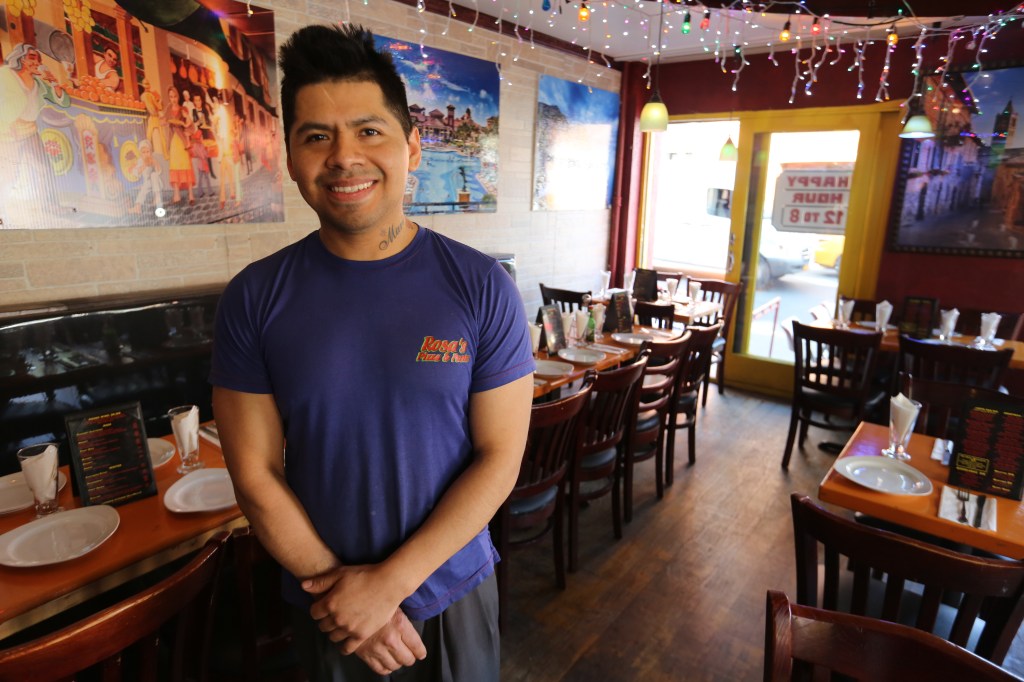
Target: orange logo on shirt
{"points": [[440, 350]]}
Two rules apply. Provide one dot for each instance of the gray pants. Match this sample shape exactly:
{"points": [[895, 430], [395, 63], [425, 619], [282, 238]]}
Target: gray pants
{"points": [[463, 645]]}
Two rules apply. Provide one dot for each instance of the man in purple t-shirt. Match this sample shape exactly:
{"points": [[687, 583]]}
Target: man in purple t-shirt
{"points": [[396, 365]]}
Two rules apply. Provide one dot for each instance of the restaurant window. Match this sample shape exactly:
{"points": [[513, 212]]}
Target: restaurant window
{"points": [[687, 203]]}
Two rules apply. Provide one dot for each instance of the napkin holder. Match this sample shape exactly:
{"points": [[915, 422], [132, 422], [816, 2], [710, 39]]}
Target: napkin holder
{"points": [[988, 454]]}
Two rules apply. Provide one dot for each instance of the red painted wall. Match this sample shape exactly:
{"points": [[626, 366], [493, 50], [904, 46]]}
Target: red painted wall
{"points": [[702, 87]]}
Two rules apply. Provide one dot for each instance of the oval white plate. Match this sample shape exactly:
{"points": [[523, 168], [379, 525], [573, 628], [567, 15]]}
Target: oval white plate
{"points": [[632, 339], [58, 537], [201, 491], [15, 495], [160, 451], [582, 356], [884, 474], [553, 369]]}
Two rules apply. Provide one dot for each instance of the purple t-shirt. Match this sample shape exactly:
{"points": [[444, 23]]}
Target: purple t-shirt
{"points": [[371, 365]]}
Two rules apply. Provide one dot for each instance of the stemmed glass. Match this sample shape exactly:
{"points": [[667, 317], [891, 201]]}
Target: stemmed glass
{"points": [[901, 424]]}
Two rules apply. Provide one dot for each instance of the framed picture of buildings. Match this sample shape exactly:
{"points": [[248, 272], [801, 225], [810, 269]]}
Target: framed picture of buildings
{"points": [[962, 191], [453, 102]]}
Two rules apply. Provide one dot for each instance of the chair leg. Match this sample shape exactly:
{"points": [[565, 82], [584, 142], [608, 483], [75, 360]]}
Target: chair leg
{"points": [[707, 382], [559, 542], [617, 502], [574, 520], [805, 417], [692, 437], [659, 464], [670, 452], [790, 437], [627, 487], [720, 375]]}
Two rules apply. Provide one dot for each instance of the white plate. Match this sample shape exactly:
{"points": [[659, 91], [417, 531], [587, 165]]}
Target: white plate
{"points": [[872, 324], [58, 537], [884, 474], [632, 339], [201, 491], [553, 368], [15, 495], [160, 451], [582, 356]]}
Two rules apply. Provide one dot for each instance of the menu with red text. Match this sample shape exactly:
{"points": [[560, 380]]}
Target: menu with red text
{"points": [[109, 455], [989, 455]]}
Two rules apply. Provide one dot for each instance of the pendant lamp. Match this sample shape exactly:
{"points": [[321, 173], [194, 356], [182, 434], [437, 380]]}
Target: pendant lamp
{"points": [[916, 125], [728, 152], [654, 117]]}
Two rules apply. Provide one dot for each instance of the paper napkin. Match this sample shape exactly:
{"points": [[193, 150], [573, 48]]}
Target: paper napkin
{"points": [[695, 291], [186, 429], [606, 279], [671, 284], [846, 310], [40, 471], [942, 450], [883, 311], [989, 324], [948, 324], [950, 508], [903, 413]]}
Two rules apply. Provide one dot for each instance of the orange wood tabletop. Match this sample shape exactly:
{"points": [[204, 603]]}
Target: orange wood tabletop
{"points": [[147, 537], [920, 512]]}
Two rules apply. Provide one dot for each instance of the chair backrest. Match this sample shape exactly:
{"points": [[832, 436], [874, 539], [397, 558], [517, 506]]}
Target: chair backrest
{"points": [[863, 308], [942, 403], [994, 586], [658, 384], [834, 361], [613, 400], [650, 314], [565, 299], [718, 291], [696, 360], [861, 648], [954, 363], [553, 440], [1010, 324], [134, 623], [919, 316]]}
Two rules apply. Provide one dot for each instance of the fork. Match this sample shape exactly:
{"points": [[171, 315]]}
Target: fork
{"points": [[963, 496]]}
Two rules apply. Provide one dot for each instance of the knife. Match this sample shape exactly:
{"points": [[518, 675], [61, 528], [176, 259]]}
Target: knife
{"points": [[980, 500]]}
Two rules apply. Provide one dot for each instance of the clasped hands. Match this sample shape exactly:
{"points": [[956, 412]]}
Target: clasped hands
{"points": [[358, 611]]}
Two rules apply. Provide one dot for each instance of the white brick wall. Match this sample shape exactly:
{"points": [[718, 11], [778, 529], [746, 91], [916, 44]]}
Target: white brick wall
{"points": [[563, 248]]}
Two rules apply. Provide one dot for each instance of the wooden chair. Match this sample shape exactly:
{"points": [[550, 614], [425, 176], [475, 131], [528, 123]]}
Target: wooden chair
{"points": [[566, 300], [184, 599], [1011, 325], [696, 362], [606, 421], [799, 639], [863, 309], [726, 293], [535, 505], [649, 421], [926, 359], [919, 316], [657, 315], [832, 373], [992, 588], [942, 403]]}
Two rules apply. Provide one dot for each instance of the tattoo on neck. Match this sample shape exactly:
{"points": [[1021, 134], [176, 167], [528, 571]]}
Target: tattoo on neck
{"points": [[391, 236]]}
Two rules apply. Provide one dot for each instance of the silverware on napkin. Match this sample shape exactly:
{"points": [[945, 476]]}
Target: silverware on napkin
{"points": [[980, 502]]}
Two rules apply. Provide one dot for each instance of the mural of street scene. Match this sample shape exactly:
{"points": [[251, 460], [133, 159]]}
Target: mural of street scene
{"points": [[134, 113], [453, 102], [964, 188]]}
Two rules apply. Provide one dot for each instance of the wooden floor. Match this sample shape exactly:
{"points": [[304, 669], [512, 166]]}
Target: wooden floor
{"points": [[681, 596]]}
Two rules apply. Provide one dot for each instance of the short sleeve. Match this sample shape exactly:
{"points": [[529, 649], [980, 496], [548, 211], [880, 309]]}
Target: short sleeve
{"points": [[505, 352], [237, 356]]}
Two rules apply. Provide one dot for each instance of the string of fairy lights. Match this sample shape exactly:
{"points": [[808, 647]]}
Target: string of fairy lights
{"points": [[731, 34]]}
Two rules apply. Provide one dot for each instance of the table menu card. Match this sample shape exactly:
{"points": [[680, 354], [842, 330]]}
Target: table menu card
{"points": [[553, 335], [619, 316], [110, 455], [645, 285], [989, 455]]}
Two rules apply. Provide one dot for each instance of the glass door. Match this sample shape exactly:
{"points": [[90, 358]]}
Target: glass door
{"points": [[808, 220]]}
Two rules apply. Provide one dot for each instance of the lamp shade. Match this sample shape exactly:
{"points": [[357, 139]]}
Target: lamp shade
{"points": [[654, 117], [728, 152], [918, 127]]}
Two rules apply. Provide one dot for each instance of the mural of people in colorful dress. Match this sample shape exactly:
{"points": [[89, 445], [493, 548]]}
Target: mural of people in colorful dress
{"points": [[181, 175]]}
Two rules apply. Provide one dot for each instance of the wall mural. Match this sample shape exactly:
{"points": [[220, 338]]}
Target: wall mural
{"points": [[135, 113], [574, 154], [453, 101], [962, 191]]}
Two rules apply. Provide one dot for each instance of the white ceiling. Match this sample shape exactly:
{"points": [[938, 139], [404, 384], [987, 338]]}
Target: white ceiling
{"points": [[626, 31]]}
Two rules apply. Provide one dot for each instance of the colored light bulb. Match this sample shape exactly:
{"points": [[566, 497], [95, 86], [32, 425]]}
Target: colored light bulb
{"points": [[786, 34], [706, 21], [686, 23]]}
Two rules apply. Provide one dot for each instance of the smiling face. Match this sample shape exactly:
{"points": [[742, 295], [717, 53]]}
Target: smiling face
{"points": [[350, 159]]}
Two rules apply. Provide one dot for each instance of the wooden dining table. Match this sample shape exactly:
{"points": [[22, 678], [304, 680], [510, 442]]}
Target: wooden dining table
{"points": [[147, 537], [920, 512]]}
